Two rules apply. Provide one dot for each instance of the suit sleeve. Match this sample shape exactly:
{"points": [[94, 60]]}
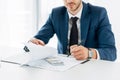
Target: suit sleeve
{"points": [[46, 31], [106, 48]]}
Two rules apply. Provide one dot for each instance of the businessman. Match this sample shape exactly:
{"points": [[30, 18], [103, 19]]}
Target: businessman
{"points": [[83, 30]]}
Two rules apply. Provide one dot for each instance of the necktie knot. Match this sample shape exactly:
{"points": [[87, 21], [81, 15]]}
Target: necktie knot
{"points": [[74, 19]]}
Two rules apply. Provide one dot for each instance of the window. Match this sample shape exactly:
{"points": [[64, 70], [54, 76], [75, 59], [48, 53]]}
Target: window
{"points": [[17, 21]]}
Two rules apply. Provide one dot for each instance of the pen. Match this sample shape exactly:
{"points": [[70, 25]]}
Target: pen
{"points": [[68, 49], [85, 61], [68, 53]]}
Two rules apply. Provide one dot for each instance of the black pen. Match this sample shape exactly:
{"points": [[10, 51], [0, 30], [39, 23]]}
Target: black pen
{"points": [[68, 52], [68, 47], [80, 43], [85, 61]]}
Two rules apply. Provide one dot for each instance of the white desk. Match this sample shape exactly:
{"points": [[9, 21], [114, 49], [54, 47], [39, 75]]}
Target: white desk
{"points": [[93, 70]]}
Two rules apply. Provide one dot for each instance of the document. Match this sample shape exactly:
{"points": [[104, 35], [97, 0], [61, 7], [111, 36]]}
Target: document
{"points": [[40, 52], [43, 57]]}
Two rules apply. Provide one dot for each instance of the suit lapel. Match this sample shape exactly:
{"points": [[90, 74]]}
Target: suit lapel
{"points": [[85, 20], [64, 28]]}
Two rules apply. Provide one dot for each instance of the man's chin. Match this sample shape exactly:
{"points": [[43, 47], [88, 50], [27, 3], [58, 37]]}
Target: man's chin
{"points": [[71, 9]]}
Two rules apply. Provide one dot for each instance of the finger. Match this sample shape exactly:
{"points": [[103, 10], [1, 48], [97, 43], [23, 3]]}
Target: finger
{"points": [[37, 42], [73, 46], [34, 42], [77, 53], [41, 43], [80, 57], [75, 49]]}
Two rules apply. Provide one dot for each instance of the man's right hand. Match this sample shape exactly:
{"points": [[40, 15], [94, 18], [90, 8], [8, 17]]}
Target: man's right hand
{"points": [[37, 41]]}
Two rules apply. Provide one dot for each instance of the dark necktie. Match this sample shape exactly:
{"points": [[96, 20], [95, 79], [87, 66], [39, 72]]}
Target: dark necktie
{"points": [[73, 32]]}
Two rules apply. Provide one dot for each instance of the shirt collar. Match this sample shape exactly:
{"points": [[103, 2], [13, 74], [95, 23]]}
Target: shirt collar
{"points": [[77, 15]]}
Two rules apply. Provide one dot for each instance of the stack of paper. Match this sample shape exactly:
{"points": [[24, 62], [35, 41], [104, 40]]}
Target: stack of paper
{"points": [[43, 57]]}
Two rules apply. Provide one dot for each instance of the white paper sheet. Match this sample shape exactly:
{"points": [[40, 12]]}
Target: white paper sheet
{"points": [[25, 60], [39, 52], [68, 62]]}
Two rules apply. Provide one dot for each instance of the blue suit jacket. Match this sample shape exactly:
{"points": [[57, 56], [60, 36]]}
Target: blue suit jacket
{"points": [[95, 30]]}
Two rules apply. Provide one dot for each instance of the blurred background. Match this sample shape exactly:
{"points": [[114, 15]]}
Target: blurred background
{"points": [[21, 19]]}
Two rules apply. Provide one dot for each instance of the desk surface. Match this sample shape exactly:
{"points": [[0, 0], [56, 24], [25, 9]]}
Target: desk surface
{"points": [[92, 70]]}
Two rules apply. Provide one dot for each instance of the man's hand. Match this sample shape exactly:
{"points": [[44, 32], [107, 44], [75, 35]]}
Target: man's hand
{"points": [[37, 41], [79, 52]]}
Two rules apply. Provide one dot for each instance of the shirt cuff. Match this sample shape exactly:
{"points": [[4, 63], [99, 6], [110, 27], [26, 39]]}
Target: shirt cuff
{"points": [[98, 56]]}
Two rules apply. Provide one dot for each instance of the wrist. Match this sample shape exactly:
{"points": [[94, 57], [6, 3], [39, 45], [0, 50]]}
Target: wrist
{"points": [[90, 53], [94, 56]]}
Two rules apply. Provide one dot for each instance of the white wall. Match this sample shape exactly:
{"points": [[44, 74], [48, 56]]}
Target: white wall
{"points": [[45, 7], [17, 21]]}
